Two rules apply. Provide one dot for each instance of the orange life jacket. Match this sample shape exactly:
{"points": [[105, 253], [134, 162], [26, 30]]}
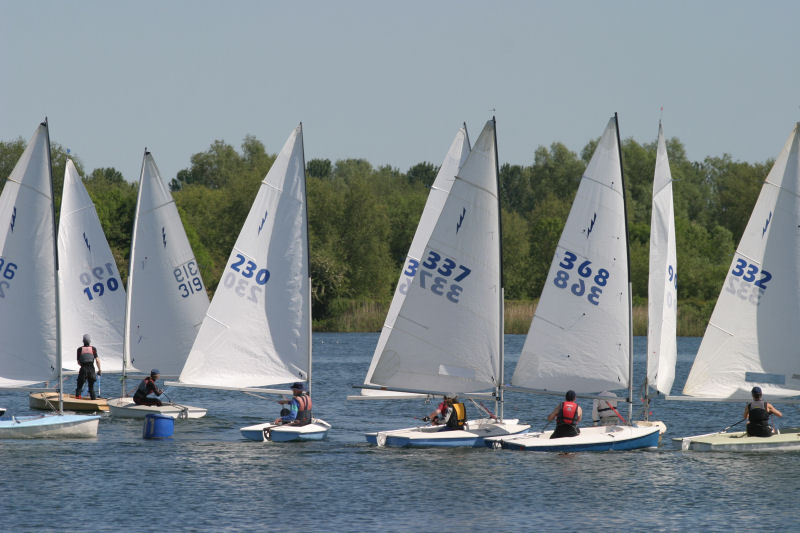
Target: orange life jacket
{"points": [[568, 414]]}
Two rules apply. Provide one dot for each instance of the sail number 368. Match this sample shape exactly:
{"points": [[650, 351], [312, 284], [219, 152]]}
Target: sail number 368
{"points": [[584, 274]]}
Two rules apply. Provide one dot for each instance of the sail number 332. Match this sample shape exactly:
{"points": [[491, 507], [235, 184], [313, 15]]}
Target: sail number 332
{"points": [[581, 285]]}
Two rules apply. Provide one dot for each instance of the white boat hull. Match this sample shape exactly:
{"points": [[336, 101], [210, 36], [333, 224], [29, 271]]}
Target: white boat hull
{"points": [[125, 408], [591, 439], [473, 434], [50, 427], [269, 432], [739, 442]]}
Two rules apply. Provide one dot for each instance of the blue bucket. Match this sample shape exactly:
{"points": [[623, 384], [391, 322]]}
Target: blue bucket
{"points": [[158, 426]]}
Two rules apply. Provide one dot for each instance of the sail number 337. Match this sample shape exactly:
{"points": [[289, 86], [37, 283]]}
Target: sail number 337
{"points": [[437, 273], [581, 285]]}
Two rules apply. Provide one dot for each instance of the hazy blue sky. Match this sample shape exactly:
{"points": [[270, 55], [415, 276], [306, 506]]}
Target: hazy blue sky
{"points": [[392, 81]]}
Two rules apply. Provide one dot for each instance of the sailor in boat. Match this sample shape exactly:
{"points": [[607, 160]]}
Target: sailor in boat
{"points": [[450, 413], [87, 358], [148, 392], [757, 415], [299, 411], [567, 414], [604, 412]]}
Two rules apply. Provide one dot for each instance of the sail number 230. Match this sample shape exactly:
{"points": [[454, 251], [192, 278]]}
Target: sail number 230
{"points": [[435, 274], [584, 271]]}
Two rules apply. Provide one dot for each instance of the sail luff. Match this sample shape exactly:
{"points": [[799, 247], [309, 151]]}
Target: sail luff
{"points": [[499, 392], [54, 244]]}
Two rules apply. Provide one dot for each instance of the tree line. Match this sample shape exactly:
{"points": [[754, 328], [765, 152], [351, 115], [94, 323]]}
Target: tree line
{"points": [[362, 218]]}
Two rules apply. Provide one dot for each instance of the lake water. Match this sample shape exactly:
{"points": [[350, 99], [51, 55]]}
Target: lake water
{"points": [[207, 478]]}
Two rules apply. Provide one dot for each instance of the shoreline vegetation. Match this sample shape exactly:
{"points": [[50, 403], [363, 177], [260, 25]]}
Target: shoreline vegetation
{"points": [[362, 219], [368, 316]]}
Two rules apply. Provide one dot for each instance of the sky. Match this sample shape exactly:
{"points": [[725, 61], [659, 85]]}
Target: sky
{"points": [[391, 82]]}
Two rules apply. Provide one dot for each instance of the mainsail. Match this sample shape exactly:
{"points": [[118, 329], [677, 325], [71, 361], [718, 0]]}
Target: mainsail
{"points": [[662, 292], [28, 328], [257, 330], [92, 296], [579, 336], [445, 337], [753, 337], [166, 296], [453, 161]]}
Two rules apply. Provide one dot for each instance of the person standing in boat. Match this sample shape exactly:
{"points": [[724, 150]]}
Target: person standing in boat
{"points": [[451, 413], [757, 415], [148, 392], [604, 412], [567, 414], [299, 411], [87, 358]]}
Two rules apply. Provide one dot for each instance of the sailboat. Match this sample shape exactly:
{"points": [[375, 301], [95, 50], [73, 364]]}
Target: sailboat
{"points": [[29, 293], [166, 298], [581, 334], [92, 296], [444, 336], [257, 330], [752, 337]]}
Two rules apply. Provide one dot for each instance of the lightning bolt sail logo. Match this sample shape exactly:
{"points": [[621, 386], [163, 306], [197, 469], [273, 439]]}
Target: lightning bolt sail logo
{"points": [[766, 225], [263, 220], [164, 236], [591, 225], [461, 218], [86, 240], [13, 219]]}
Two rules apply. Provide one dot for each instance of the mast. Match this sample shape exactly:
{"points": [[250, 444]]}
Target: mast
{"points": [[630, 287], [501, 293], [59, 355], [308, 254], [126, 339]]}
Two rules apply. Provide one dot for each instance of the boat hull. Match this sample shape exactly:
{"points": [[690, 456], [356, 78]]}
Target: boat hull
{"points": [[739, 442], [591, 439], [50, 427], [269, 432], [47, 401], [125, 408], [473, 435]]}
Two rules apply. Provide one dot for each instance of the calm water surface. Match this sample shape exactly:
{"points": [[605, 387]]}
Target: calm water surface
{"points": [[207, 478]]}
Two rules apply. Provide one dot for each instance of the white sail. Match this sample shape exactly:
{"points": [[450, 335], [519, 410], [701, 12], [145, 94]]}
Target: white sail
{"points": [[662, 292], [453, 161], [753, 337], [27, 266], [579, 336], [257, 330], [167, 296], [92, 296], [446, 336]]}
